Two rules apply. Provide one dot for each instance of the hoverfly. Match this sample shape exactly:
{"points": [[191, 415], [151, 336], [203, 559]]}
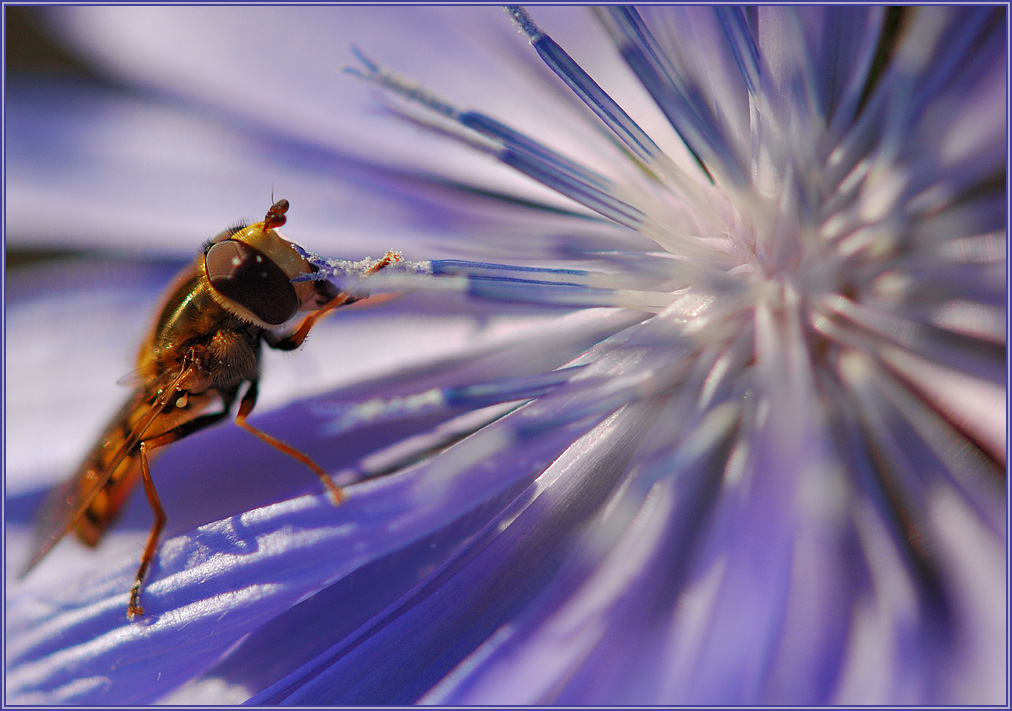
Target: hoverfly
{"points": [[203, 347]]}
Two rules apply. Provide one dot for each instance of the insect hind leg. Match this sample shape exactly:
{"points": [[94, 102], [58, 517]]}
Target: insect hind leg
{"points": [[134, 609]]}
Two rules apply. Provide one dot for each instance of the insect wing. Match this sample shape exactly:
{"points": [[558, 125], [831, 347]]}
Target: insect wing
{"points": [[69, 501]]}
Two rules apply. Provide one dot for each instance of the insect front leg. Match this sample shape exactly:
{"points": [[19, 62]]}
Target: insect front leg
{"points": [[295, 339], [246, 407]]}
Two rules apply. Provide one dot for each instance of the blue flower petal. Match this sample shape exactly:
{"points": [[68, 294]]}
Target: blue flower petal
{"points": [[229, 578], [778, 478]]}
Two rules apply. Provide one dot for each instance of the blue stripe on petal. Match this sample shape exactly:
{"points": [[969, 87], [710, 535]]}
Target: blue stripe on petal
{"points": [[515, 149], [525, 145], [741, 43], [683, 105], [448, 400], [587, 89]]}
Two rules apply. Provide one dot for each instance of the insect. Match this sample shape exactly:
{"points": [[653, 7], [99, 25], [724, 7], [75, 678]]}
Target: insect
{"points": [[203, 348]]}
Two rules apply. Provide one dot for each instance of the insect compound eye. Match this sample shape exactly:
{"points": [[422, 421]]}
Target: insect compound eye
{"points": [[248, 277]]}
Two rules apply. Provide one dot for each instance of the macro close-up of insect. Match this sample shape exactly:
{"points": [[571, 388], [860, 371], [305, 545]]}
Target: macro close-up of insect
{"points": [[203, 348], [689, 385]]}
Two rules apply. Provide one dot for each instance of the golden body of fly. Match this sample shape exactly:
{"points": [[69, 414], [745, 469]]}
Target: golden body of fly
{"points": [[203, 348]]}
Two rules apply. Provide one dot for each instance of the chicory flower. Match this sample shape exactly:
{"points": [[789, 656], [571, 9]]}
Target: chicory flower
{"points": [[697, 394]]}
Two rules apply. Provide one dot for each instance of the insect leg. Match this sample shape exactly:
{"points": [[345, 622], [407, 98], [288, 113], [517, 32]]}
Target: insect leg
{"points": [[246, 406], [134, 608], [295, 339], [176, 433]]}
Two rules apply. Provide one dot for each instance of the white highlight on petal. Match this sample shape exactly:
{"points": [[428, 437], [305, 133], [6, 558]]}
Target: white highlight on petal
{"points": [[973, 404], [973, 319], [205, 691], [881, 192], [881, 622], [978, 561]]}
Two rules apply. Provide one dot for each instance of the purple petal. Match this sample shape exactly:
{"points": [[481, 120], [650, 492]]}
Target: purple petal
{"points": [[778, 478]]}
